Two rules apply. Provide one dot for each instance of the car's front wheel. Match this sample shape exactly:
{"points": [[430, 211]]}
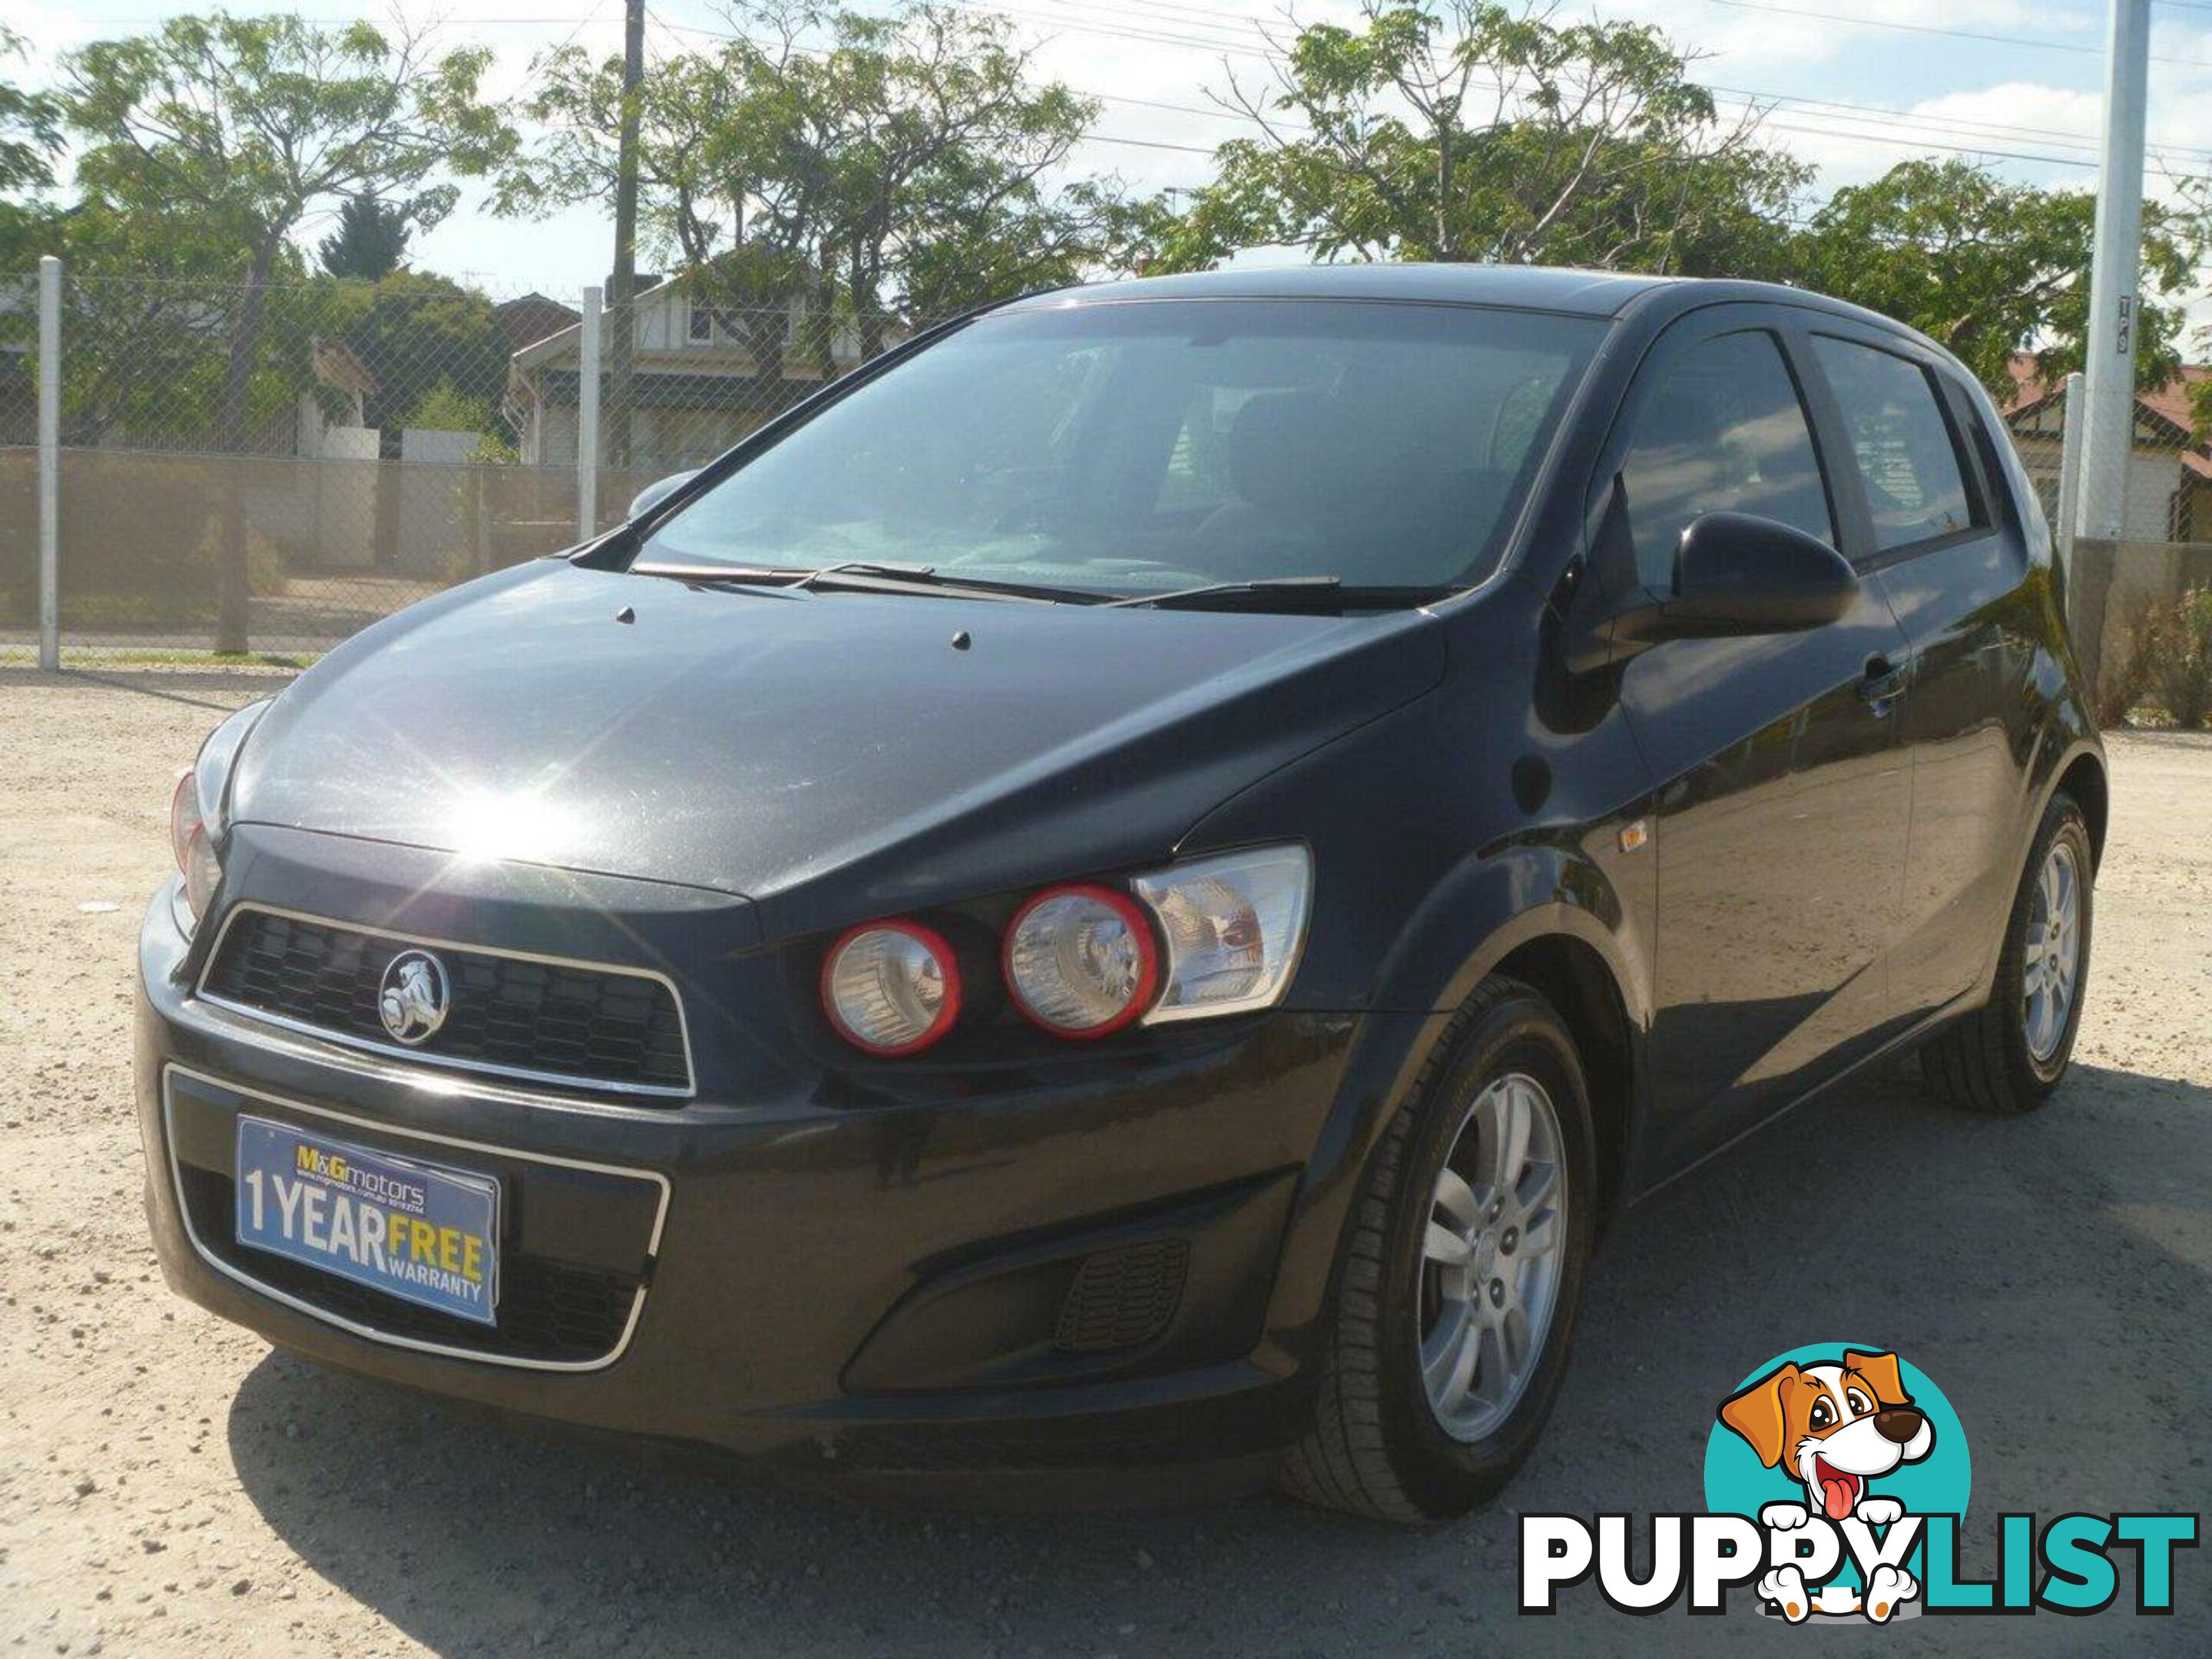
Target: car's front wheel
{"points": [[2006, 1057], [1456, 1288]]}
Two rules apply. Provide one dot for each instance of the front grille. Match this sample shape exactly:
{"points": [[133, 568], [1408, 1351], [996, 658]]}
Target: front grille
{"points": [[551, 1021], [549, 1312], [1123, 1298]]}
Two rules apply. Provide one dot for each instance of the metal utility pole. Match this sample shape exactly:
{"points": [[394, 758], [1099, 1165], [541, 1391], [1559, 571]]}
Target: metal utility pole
{"points": [[2108, 426], [2107, 429], [622, 286]]}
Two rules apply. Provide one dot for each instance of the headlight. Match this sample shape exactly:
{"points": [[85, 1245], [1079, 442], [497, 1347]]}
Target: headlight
{"points": [[1233, 924], [1214, 936], [891, 987], [196, 826], [1080, 961], [192, 840]]}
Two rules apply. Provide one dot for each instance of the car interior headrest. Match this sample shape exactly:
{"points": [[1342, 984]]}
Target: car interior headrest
{"points": [[1287, 447]]}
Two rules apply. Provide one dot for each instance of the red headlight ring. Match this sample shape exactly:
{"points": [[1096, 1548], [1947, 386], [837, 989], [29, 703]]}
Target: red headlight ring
{"points": [[1148, 954], [930, 941]]}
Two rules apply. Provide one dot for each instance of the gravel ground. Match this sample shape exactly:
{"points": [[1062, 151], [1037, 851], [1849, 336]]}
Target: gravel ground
{"points": [[168, 1485]]}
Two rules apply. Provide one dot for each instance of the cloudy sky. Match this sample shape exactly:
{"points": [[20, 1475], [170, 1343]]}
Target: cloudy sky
{"points": [[1852, 86]]}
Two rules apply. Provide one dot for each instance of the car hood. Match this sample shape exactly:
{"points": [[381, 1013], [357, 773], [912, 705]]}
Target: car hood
{"points": [[766, 743]]}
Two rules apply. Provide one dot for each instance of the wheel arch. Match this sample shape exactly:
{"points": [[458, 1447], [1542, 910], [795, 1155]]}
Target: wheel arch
{"points": [[1573, 977], [1573, 956], [2084, 778], [2065, 760], [1550, 915]]}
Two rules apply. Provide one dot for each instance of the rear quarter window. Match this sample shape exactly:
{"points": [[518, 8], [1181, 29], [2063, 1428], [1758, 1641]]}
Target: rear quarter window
{"points": [[1901, 443]]}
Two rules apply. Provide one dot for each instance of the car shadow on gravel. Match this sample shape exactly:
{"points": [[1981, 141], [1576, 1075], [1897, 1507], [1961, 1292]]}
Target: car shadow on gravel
{"points": [[1983, 1250]]}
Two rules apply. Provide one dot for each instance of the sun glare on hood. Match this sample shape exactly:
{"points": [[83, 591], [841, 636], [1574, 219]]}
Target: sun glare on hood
{"points": [[522, 825]]}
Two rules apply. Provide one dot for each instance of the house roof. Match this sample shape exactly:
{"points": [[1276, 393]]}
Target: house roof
{"points": [[2171, 408], [700, 359], [532, 352], [532, 318]]}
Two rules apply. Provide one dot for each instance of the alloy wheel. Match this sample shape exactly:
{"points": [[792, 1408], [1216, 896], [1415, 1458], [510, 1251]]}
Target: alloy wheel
{"points": [[1492, 1257], [2052, 960]]}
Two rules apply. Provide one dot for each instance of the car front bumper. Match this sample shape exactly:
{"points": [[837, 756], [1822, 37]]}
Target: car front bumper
{"points": [[893, 1288]]}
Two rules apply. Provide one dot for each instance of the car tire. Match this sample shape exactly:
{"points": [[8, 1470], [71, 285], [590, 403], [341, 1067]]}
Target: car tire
{"points": [[1380, 1445], [2006, 1058]]}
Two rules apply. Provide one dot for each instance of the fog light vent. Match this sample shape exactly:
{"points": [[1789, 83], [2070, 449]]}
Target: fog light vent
{"points": [[1124, 1298]]}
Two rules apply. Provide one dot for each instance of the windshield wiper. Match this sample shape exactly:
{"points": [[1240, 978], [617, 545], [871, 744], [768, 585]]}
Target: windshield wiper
{"points": [[861, 573], [864, 576], [748, 575], [1316, 590], [1329, 585]]}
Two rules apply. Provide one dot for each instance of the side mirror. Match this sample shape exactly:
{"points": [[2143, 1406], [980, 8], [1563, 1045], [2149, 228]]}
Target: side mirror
{"points": [[1736, 573], [656, 492]]}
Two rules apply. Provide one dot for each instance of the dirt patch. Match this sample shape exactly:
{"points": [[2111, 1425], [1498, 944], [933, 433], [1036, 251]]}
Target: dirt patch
{"points": [[170, 1486]]}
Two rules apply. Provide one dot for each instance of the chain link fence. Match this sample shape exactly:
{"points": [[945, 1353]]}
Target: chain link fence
{"points": [[272, 472], [2130, 597]]}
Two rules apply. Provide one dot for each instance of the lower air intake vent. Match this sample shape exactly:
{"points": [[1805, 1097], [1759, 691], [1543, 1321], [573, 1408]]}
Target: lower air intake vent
{"points": [[1123, 1298]]}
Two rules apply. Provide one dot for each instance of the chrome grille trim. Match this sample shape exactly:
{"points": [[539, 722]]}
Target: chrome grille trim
{"points": [[428, 1059]]}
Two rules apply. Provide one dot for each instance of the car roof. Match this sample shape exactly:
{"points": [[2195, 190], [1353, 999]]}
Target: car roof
{"points": [[1530, 288], [1524, 287]]}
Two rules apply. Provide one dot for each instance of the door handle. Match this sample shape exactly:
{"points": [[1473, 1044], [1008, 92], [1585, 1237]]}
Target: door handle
{"points": [[1883, 681]]}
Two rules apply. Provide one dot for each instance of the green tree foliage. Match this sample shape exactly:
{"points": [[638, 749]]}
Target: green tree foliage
{"points": [[901, 163], [1990, 268], [688, 204], [1467, 131], [30, 127], [418, 334], [370, 242], [248, 124], [30, 138], [987, 251], [445, 408], [890, 145], [151, 304]]}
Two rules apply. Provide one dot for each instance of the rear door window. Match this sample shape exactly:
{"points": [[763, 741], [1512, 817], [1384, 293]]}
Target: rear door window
{"points": [[1724, 431], [1903, 447]]}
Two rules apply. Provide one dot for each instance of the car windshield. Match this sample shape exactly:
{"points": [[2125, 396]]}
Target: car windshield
{"points": [[1142, 447]]}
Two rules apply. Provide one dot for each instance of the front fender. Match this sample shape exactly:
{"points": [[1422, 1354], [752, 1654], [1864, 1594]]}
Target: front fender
{"points": [[1446, 835], [1545, 884], [1512, 898]]}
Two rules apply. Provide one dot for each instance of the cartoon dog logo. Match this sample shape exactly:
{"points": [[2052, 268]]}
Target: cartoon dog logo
{"points": [[1834, 1428]]}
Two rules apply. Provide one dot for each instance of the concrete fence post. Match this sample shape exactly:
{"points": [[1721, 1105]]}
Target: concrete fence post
{"points": [[2069, 470], [50, 461], [2092, 533], [588, 419], [481, 471]]}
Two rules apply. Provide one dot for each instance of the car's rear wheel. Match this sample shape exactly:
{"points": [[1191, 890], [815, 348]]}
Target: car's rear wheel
{"points": [[2006, 1057], [1455, 1290]]}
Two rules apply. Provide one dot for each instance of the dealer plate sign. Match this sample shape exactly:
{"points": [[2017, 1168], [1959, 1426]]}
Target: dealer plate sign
{"points": [[418, 1231]]}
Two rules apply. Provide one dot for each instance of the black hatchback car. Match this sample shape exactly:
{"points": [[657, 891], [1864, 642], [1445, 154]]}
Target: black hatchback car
{"points": [[1134, 883]]}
